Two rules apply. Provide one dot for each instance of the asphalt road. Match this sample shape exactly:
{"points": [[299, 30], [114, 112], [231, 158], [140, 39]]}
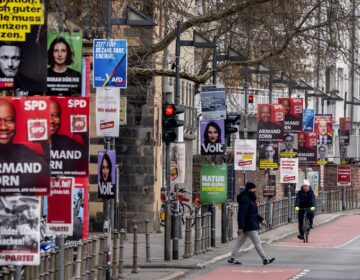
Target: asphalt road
{"points": [[333, 252]]}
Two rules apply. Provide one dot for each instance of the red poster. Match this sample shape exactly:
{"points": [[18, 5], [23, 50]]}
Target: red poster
{"points": [[344, 175], [24, 151], [69, 136], [293, 110], [270, 122], [59, 219]]}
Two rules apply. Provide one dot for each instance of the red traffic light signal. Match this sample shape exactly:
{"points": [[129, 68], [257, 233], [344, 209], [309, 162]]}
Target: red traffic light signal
{"points": [[170, 121], [169, 110], [250, 99]]}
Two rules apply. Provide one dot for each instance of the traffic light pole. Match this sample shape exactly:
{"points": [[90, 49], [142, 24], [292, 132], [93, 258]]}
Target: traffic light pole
{"points": [[167, 234], [246, 93]]}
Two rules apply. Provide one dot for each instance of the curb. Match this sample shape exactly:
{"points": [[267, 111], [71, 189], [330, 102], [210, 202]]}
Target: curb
{"points": [[174, 276]]}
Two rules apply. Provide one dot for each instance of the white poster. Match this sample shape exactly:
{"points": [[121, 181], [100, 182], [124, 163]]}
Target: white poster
{"points": [[177, 163], [19, 230], [289, 169], [107, 112], [245, 154], [213, 102]]}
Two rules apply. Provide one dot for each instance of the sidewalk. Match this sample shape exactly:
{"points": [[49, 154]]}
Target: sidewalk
{"points": [[158, 269]]}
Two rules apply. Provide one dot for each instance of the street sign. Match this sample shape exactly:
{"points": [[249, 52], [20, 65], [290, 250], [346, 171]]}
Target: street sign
{"points": [[344, 175]]}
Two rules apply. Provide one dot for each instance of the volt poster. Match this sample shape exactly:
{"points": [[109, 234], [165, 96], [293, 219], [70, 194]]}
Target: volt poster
{"points": [[110, 63], [213, 183], [106, 173]]}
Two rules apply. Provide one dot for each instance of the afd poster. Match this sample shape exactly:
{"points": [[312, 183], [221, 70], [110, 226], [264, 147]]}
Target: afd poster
{"points": [[61, 195], [110, 63], [212, 135], [177, 164], [107, 112], [289, 168], [64, 63], [245, 154], [293, 110], [23, 42], [270, 122], [19, 230], [213, 183], [106, 174], [308, 120]]}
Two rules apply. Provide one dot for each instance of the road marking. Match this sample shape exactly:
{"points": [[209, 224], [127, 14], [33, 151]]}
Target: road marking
{"points": [[348, 242], [300, 275]]}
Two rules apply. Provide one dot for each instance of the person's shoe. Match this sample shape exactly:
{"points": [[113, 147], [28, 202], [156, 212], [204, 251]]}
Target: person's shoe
{"points": [[233, 261], [300, 237], [311, 226], [268, 260]]}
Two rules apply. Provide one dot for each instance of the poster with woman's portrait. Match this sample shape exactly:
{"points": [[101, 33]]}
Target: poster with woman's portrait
{"points": [[106, 173], [64, 63], [212, 137], [269, 155]]}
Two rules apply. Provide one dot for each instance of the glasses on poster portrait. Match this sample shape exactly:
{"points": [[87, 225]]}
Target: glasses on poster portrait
{"points": [[105, 169], [322, 152], [212, 133]]}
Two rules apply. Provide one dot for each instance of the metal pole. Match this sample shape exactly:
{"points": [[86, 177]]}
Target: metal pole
{"points": [[318, 57], [59, 241], [340, 152], [270, 83], [246, 91], [17, 272], [177, 63], [175, 240], [213, 225], [289, 203], [214, 64], [352, 61], [223, 223], [167, 234], [107, 222]]}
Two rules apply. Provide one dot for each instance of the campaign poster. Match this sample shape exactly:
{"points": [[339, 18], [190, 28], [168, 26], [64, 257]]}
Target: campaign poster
{"points": [[322, 154], [177, 164], [107, 112], [289, 168], [245, 154], [23, 44], [80, 211], [307, 148], [212, 137], [323, 129], [106, 174], [344, 131], [213, 102], [308, 120], [293, 112], [213, 183], [269, 188], [344, 175], [289, 148], [270, 120], [60, 198], [64, 58], [269, 155], [24, 150], [19, 230], [110, 63], [313, 177], [69, 136]]}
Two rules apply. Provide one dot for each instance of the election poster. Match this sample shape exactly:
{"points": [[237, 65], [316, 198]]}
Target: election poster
{"points": [[213, 102], [245, 154], [344, 131], [322, 154], [23, 43], [69, 136], [293, 111], [106, 174], [110, 63], [80, 211], [308, 120], [177, 164], [307, 147], [269, 155], [107, 112], [19, 230], [289, 168], [24, 151], [61, 196], [64, 63], [323, 129], [213, 183], [270, 120], [344, 175], [313, 177], [212, 137], [289, 148], [269, 188]]}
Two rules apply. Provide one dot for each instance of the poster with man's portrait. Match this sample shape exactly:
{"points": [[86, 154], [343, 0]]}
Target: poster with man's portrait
{"points": [[289, 148], [322, 154], [19, 230], [23, 48], [106, 174], [269, 183], [344, 131], [64, 58], [293, 110], [270, 120], [269, 155], [24, 150], [323, 129], [212, 137], [307, 147]]}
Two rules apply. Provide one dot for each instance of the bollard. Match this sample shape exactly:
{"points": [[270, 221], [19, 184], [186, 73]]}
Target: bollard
{"points": [[147, 240], [228, 216], [46, 265], [79, 261], [203, 231], [213, 225], [187, 249], [52, 266], [232, 224], [94, 254], [223, 223], [135, 268], [197, 234], [207, 231], [125, 222], [101, 268], [121, 255], [84, 258], [115, 254]]}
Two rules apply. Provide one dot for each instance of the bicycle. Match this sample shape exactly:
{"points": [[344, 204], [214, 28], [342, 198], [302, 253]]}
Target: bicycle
{"points": [[305, 225]]}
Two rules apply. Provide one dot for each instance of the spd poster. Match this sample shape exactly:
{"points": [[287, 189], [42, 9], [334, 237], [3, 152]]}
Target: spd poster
{"points": [[293, 110], [106, 173], [307, 142], [110, 63], [213, 183], [270, 122]]}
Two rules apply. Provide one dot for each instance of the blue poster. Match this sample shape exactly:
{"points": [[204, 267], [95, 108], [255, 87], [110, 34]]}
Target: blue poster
{"points": [[308, 120], [110, 63]]}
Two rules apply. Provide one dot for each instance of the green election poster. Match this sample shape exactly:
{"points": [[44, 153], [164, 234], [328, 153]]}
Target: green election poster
{"points": [[213, 183]]}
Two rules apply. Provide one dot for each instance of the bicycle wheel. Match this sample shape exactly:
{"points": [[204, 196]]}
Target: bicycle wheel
{"points": [[306, 229], [186, 211]]}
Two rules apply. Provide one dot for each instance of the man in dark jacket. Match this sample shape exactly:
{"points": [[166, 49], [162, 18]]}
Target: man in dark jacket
{"points": [[305, 203], [248, 224]]}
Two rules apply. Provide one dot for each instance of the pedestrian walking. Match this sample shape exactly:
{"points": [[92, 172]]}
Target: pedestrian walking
{"points": [[248, 224]]}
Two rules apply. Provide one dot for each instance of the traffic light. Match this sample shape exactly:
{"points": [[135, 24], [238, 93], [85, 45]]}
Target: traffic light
{"points": [[229, 121], [251, 99], [170, 122]]}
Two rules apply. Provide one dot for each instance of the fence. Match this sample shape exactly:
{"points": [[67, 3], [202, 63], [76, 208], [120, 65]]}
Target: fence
{"points": [[87, 260]]}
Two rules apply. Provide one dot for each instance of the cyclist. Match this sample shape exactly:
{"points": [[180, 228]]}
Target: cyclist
{"points": [[305, 203]]}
